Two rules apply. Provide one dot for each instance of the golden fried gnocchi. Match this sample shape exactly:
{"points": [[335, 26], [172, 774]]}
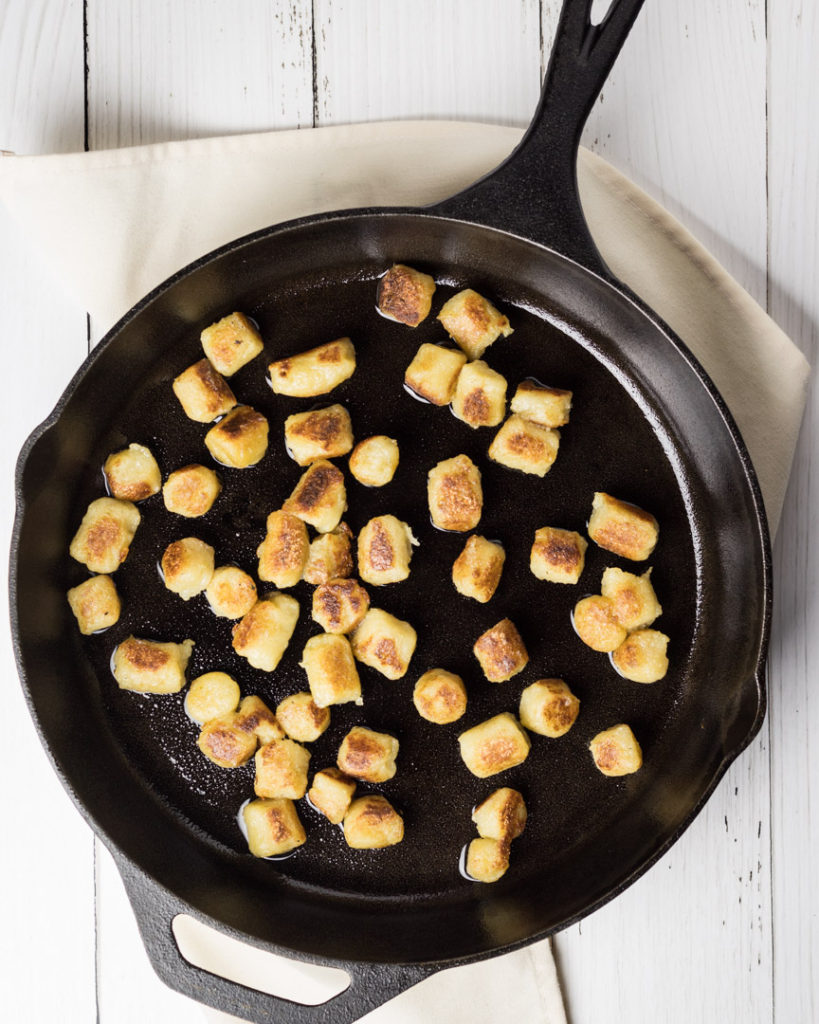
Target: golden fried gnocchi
{"points": [[368, 755], [558, 555], [480, 395], [95, 604], [622, 528], [301, 718], [372, 823], [231, 592], [384, 551], [385, 643], [273, 827], [330, 557], [502, 815], [440, 696], [332, 793], [132, 474], [616, 751], [281, 770], [501, 652], [105, 534], [231, 343], [284, 550], [238, 440], [318, 434], [525, 445], [340, 605], [596, 624], [374, 460], [191, 491], [262, 635], [487, 860], [148, 666], [642, 657], [635, 603], [314, 372], [187, 566], [203, 392], [256, 718], [550, 407], [494, 745], [319, 497], [476, 572], [455, 495], [405, 295], [473, 322], [433, 373], [548, 707], [331, 673], [225, 742], [210, 696]]}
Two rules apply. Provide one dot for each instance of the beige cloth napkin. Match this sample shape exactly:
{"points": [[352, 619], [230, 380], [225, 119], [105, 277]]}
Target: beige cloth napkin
{"points": [[113, 224]]}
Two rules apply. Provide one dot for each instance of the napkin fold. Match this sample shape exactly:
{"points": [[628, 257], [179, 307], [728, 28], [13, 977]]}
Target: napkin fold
{"points": [[114, 224]]}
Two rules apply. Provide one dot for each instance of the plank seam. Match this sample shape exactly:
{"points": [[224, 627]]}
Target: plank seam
{"points": [[314, 61]]}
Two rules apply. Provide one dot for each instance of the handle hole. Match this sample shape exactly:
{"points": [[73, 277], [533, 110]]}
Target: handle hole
{"points": [[599, 10]]}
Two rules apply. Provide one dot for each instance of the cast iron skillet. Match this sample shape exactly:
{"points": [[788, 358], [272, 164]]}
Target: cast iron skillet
{"points": [[647, 425]]}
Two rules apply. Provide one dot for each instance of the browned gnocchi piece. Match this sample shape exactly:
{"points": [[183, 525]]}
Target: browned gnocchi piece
{"points": [[187, 566], [255, 717], [525, 445], [262, 635], [340, 605], [238, 440], [149, 666], [487, 860], [191, 491], [203, 392], [501, 652], [494, 746], [105, 534], [95, 604], [330, 557], [374, 460], [477, 570], [635, 604], [368, 755], [385, 643], [550, 407], [433, 373], [132, 474], [210, 696], [558, 556], [502, 815], [473, 322], [301, 718], [455, 494], [372, 823], [440, 696], [273, 827], [642, 656], [318, 434], [284, 551], [331, 673], [616, 751], [314, 372], [405, 295], [384, 551], [332, 793], [231, 592], [224, 742], [596, 624], [319, 497], [231, 343], [622, 528], [480, 395], [548, 707], [281, 770]]}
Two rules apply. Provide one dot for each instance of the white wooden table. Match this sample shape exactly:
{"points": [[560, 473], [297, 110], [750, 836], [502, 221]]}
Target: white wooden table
{"points": [[713, 109]]}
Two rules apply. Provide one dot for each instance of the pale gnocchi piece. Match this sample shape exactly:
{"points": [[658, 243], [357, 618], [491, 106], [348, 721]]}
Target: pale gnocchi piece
{"points": [[105, 534], [622, 528], [385, 643], [433, 373], [210, 696], [225, 742], [374, 460], [405, 295], [281, 770], [372, 823], [440, 696], [314, 372], [284, 550], [502, 815], [558, 556], [203, 392], [191, 491], [187, 566], [455, 494], [501, 652], [231, 343], [550, 407], [238, 440], [633, 597], [255, 717], [273, 827], [494, 746], [595, 623], [231, 592], [332, 793], [301, 718], [340, 605], [480, 395], [525, 445], [477, 571], [95, 604], [330, 557], [548, 707], [487, 860], [368, 755], [319, 497], [262, 635], [616, 751], [384, 551], [148, 666], [318, 434], [331, 673], [473, 322], [642, 657], [132, 474]]}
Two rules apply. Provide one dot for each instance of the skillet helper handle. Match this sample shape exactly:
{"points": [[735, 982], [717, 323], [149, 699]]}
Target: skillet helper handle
{"points": [[534, 192], [155, 909]]}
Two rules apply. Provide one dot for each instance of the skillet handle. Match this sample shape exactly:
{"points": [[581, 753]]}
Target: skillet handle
{"points": [[534, 193], [155, 909]]}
